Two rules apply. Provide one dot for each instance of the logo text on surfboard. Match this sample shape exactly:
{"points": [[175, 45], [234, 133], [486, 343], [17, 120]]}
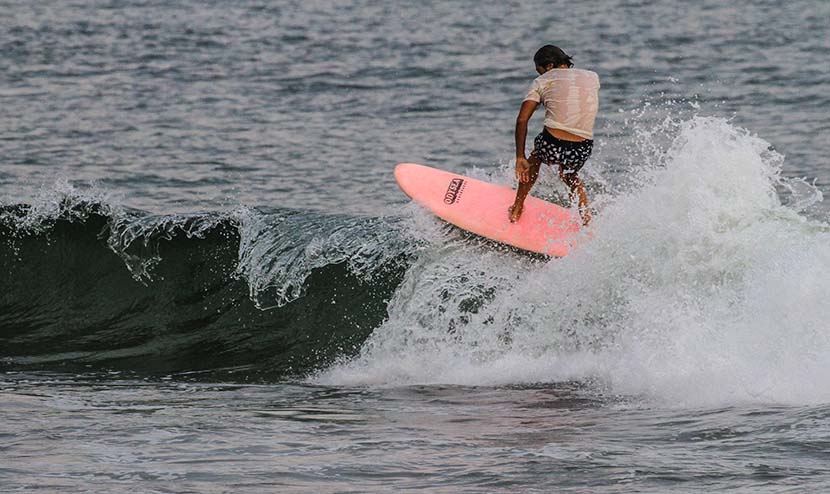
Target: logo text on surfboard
{"points": [[454, 190]]}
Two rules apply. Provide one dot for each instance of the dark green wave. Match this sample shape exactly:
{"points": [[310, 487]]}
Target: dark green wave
{"points": [[73, 300]]}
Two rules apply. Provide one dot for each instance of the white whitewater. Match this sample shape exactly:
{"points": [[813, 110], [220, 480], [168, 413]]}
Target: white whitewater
{"points": [[699, 288]]}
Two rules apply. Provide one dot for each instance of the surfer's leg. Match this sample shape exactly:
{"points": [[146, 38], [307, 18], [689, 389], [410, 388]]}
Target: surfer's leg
{"points": [[577, 192], [515, 211]]}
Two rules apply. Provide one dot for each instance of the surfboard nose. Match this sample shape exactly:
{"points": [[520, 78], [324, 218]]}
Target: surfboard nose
{"points": [[401, 169], [405, 173]]}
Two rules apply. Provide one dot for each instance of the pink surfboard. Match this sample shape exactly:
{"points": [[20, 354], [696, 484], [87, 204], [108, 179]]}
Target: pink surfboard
{"points": [[481, 207]]}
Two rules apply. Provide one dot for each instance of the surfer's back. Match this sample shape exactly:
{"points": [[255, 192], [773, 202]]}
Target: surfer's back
{"points": [[570, 97]]}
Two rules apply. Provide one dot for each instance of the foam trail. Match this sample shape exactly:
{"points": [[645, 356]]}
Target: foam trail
{"points": [[699, 288]]}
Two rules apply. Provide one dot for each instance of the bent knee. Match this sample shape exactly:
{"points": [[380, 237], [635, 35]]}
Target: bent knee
{"points": [[568, 176]]}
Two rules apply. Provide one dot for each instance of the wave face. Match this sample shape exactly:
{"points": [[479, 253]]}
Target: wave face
{"points": [[704, 283], [701, 285], [245, 295]]}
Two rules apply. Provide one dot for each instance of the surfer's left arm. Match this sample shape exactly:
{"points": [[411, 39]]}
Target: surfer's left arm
{"points": [[522, 165]]}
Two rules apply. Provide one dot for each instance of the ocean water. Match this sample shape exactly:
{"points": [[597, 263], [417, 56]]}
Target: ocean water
{"points": [[209, 281]]}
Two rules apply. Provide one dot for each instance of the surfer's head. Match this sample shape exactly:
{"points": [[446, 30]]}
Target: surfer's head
{"points": [[551, 57]]}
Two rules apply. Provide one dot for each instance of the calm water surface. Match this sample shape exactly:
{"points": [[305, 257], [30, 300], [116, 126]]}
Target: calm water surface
{"points": [[93, 436]]}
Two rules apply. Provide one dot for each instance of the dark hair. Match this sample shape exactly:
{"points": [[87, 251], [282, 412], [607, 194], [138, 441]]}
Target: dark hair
{"points": [[550, 54]]}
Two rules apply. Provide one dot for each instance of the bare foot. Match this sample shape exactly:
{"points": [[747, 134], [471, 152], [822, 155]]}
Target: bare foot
{"points": [[514, 213], [586, 217]]}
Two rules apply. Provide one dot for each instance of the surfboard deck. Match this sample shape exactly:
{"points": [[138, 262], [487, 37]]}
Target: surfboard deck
{"points": [[481, 208]]}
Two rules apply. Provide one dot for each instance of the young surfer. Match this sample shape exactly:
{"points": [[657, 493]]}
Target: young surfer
{"points": [[570, 98]]}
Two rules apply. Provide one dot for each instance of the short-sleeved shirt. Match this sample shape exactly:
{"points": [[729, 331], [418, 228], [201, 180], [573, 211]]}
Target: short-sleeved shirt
{"points": [[570, 97]]}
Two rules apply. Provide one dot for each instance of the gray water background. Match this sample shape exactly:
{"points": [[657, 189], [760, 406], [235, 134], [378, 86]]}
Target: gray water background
{"points": [[205, 105], [194, 105], [91, 435]]}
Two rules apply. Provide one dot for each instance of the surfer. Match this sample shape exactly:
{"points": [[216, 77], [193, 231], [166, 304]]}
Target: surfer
{"points": [[570, 97]]}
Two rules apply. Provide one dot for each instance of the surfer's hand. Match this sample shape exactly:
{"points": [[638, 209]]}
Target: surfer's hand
{"points": [[522, 170]]}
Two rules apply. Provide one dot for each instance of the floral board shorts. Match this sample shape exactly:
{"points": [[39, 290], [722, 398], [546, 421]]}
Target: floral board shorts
{"points": [[568, 154]]}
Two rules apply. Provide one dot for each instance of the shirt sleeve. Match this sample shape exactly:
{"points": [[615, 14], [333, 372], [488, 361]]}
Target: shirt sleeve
{"points": [[534, 94]]}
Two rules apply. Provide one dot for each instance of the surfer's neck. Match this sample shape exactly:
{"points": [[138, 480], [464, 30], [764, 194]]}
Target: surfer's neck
{"points": [[547, 68]]}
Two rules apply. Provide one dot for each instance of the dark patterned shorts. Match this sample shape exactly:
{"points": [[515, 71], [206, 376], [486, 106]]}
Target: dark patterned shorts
{"points": [[570, 155]]}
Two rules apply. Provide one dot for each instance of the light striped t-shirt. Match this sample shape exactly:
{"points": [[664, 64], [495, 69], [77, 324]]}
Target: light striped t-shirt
{"points": [[571, 99]]}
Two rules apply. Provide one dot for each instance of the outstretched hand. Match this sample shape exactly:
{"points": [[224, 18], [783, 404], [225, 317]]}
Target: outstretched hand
{"points": [[522, 170]]}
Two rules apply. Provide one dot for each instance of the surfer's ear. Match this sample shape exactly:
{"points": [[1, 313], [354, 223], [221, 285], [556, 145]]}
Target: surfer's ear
{"points": [[541, 69]]}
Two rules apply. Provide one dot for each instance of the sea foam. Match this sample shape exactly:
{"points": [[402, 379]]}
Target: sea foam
{"points": [[699, 287]]}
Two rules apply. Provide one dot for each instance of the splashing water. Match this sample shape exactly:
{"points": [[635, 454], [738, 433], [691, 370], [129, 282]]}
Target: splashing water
{"points": [[700, 287]]}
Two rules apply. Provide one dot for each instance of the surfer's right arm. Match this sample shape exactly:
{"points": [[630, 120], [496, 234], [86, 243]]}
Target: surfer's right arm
{"points": [[522, 165]]}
